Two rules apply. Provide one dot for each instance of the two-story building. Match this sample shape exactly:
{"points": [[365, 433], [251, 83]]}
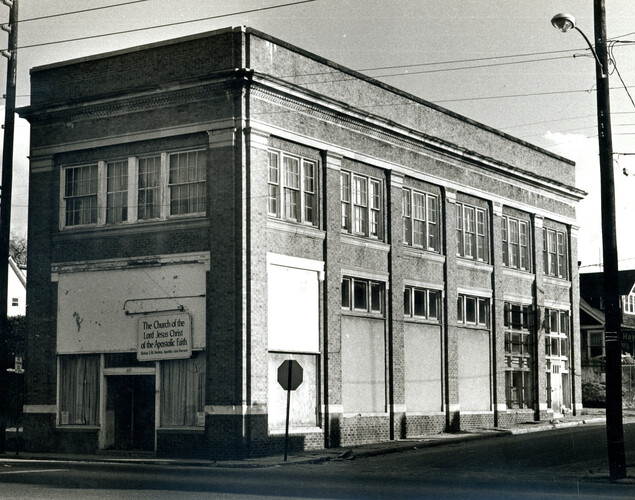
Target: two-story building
{"points": [[205, 208]]}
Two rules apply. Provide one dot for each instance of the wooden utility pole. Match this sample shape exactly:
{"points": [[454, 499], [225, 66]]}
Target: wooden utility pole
{"points": [[5, 205], [612, 309]]}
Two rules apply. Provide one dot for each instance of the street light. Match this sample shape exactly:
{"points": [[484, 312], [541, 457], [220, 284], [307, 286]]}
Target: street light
{"points": [[612, 312]]}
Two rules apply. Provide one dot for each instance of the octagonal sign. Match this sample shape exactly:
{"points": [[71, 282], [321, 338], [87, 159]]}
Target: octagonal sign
{"points": [[290, 375]]}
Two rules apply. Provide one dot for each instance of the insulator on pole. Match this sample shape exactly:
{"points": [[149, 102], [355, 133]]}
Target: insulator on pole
{"points": [[8, 3], [6, 27], [6, 53]]}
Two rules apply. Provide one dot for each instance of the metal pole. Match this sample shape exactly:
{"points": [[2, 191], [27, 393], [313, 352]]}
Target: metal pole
{"points": [[286, 427], [612, 311], [5, 209]]}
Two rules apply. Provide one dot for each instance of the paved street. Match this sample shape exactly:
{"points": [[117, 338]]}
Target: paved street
{"points": [[564, 463]]}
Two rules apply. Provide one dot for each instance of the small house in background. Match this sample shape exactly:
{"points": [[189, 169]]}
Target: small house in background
{"points": [[16, 296], [593, 352]]}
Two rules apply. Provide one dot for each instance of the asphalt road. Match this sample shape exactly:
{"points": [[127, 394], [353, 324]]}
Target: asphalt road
{"points": [[567, 463]]}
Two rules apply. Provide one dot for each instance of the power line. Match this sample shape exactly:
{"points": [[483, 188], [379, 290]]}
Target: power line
{"points": [[177, 23], [79, 11]]}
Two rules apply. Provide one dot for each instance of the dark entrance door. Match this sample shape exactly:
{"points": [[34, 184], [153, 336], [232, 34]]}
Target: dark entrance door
{"points": [[131, 398]]}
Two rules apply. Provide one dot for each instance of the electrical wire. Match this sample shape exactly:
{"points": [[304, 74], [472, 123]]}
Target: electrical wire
{"points": [[20, 21], [176, 23]]}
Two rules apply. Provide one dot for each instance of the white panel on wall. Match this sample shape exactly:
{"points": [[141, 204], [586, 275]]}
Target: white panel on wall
{"points": [[92, 305], [293, 309]]}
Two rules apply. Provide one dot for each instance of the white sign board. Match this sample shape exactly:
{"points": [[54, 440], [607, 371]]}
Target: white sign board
{"points": [[164, 336]]}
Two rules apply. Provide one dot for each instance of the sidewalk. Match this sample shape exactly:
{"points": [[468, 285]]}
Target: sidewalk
{"points": [[588, 417]]}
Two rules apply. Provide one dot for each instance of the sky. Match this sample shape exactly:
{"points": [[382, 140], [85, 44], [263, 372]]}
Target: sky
{"points": [[498, 62]]}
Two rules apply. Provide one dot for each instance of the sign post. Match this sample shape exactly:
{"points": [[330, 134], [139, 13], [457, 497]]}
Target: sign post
{"points": [[290, 378]]}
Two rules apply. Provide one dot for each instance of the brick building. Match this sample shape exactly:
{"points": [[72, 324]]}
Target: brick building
{"points": [[204, 208]]}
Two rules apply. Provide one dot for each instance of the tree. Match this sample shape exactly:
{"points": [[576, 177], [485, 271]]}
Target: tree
{"points": [[17, 249]]}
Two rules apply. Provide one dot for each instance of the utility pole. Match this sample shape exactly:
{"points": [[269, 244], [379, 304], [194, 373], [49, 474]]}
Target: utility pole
{"points": [[5, 204], [612, 309]]}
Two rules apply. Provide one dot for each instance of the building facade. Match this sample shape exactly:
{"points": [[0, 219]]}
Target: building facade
{"points": [[206, 208]]}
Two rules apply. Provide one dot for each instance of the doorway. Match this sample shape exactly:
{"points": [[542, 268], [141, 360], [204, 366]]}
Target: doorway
{"points": [[130, 412]]}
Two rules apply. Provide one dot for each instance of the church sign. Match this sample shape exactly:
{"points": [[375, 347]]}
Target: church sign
{"points": [[164, 336]]}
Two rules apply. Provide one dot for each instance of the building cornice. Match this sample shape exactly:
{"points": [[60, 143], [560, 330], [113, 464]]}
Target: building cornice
{"points": [[302, 100]]}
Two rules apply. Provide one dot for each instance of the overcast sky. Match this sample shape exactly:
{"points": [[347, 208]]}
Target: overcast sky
{"points": [[521, 75]]}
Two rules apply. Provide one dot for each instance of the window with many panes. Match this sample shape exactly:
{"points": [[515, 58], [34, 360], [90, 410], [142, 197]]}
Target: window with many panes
{"points": [[472, 232], [363, 295], [628, 303], [519, 355], [557, 327], [292, 188], [422, 303], [554, 253], [516, 243], [187, 183], [420, 219], [362, 202], [149, 191], [116, 191], [167, 184], [80, 195], [472, 310]]}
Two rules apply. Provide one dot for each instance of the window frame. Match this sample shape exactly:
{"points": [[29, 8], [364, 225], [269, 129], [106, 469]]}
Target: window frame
{"points": [[371, 301], [430, 296], [134, 194], [472, 229], [519, 352], [481, 310], [516, 254], [289, 201], [362, 203], [428, 219], [555, 253]]}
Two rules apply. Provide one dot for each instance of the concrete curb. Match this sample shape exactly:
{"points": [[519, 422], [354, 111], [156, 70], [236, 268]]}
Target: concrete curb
{"points": [[319, 456]]}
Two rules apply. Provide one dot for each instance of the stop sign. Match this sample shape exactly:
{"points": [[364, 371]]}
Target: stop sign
{"points": [[290, 375]]}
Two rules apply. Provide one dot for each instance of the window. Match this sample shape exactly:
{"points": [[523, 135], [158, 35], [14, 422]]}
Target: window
{"points": [[557, 326], [628, 303], [79, 389], [421, 303], [116, 191], [187, 183], [420, 220], [519, 358], [292, 188], [362, 205], [80, 195], [515, 241], [182, 391], [472, 233], [168, 184], [362, 295], [473, 310], [149, 194], [554, 253]]}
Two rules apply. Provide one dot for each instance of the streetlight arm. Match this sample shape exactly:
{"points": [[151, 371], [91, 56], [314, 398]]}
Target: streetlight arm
{"points": [[597, 59]]}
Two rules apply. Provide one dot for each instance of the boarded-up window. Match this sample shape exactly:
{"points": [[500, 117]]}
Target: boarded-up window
{"points": [[474, 370], [363, 365]]}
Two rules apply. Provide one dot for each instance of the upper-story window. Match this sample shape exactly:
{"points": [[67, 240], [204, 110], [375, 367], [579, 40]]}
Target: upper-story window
{"points": [[80, 195], [167, 184], [361, 199], [420, 219], [471, 231], [292, 188], [554, 253], [472, 310], [188, 192], [516, 243], [628, 303]]}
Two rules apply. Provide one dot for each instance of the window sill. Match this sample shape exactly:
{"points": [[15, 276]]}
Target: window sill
{"points": [[132, 227], [473, 264], [554, 280], [473, 327], [518, 273], [295, 228], [296, 431], [365, 241], [422, 253], [181, 430], [422, 321], [362, 314], [77, 428]]}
